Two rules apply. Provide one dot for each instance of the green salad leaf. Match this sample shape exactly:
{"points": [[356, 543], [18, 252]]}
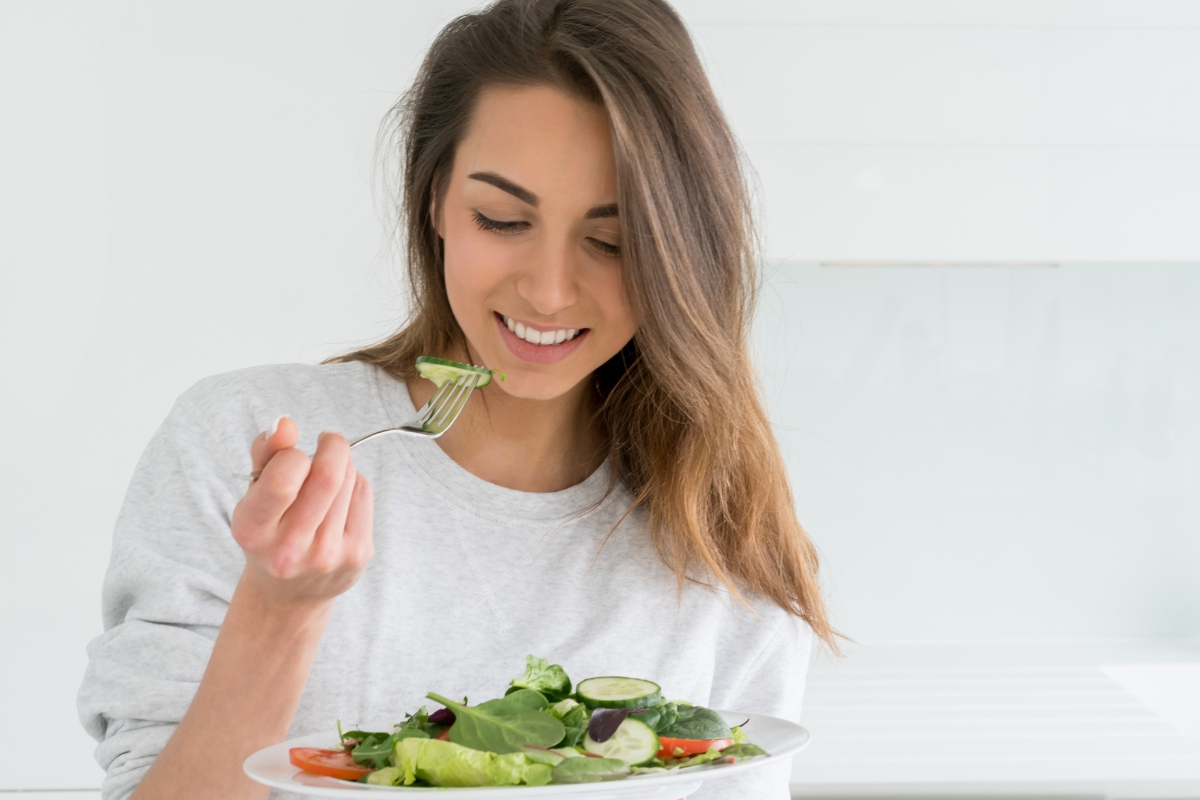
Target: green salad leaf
{"points": [[712, 754], [589, 770], [574, 717], [743, 751], [448, 764], [549, 679], [660, 717], [388, 776], [375, 750], [697, 722], [501, 726], [528, 697]]}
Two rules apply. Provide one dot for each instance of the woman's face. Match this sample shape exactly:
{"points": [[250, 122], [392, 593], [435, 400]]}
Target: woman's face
{"points": [[532, 240]]}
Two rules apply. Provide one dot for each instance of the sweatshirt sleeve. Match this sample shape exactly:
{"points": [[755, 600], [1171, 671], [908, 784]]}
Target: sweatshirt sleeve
{"points": [[172, 572], [771, 682]]}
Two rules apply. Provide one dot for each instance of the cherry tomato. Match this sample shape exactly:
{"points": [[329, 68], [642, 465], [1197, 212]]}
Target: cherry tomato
{"points": [[332, 763], [681, 748]]}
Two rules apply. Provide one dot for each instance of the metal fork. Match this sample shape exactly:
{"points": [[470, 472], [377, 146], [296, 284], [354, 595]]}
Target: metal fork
{"points": [[434, 418]]}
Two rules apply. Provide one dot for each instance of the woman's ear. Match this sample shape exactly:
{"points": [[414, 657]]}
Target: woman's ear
{"points": [[433, 216]]}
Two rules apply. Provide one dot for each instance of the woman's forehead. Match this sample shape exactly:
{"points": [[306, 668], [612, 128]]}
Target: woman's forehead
{"points": [[542, 139]]}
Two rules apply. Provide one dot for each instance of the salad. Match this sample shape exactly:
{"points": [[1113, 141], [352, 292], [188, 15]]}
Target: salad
{"points": [[540, 732]]}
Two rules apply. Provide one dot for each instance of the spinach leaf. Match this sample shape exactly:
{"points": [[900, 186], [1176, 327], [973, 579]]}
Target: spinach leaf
{"points": [[501, 726], [549, 679], [659, 717], [589, 770], [530, 698], [697, 722]]}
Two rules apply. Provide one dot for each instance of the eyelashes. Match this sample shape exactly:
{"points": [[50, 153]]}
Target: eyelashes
{"points": [[606, 248], [498, 226], [488, 224]]}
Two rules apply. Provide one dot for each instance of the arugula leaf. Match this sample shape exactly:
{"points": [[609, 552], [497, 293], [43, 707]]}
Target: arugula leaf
{"points": [[501, 726], [375, 750], [697, 722], [549, 679], [589, 770], [575, 723]]}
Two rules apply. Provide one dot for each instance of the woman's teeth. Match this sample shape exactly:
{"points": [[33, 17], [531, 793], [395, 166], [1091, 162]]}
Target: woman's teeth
{"points": [[540, 337]]}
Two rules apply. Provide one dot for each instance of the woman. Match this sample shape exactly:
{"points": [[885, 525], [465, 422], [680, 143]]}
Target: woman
{"points": [[576, 218]]}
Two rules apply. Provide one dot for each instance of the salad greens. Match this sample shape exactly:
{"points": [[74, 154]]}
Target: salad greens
{"points": [[542, 676], [540, 733], [504, 725], [696, 722]]}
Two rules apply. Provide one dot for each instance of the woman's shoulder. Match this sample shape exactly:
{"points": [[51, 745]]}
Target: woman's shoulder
{"points": [[235, 406], [284, 383]]}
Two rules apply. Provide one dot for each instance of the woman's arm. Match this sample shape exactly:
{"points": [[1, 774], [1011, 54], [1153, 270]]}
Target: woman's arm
{"points": [[305, 527]]}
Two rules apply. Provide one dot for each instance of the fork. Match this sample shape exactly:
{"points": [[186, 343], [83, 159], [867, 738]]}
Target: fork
{"points": [[434, 418]]}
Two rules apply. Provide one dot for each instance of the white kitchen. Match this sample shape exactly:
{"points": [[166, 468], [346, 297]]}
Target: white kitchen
{"points": [[977, 332]]}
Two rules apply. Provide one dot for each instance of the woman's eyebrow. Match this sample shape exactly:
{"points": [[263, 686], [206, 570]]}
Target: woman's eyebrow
{"points": [[602, 211], [505, 184], [524, 195]]}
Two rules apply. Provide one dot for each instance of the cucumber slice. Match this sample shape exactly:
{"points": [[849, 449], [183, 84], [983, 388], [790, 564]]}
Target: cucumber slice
{"points": [[441, 371], [617, 692], [635, 743]]}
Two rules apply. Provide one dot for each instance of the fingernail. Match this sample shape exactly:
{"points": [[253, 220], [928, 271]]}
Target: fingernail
{"points": [[274, 427]]}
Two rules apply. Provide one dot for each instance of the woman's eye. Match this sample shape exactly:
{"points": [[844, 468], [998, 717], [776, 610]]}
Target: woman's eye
{"points": [[488, 224], [606, 248]]}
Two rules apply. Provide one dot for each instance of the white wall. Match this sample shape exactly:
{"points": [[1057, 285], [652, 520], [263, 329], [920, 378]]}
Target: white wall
{"points": [[184, 190]]}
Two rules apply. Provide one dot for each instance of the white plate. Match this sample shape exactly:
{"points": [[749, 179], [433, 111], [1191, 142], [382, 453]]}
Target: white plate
{"points": [[780, 738]]}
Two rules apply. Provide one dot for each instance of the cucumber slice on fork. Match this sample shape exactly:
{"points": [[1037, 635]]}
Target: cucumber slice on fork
{"points": [[442, 371]]}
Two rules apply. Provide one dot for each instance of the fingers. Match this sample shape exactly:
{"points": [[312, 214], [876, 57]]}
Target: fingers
{"points": [[300, 521], [269, 497], [358, 538], [280, 435], [326, 552]]}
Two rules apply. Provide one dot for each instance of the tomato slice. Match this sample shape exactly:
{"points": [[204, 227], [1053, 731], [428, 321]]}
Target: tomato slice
{"points": [[331, 763], [671, 748]]}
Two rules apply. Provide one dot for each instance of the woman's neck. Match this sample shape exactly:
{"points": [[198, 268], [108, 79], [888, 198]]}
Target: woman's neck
{"points": [[528, 445]]}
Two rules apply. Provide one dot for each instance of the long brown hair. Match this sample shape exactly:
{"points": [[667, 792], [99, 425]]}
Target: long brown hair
{"points": [[687, 432]]}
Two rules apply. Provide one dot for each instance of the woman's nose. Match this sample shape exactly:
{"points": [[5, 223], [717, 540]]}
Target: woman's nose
{"points": [[549, 282]]}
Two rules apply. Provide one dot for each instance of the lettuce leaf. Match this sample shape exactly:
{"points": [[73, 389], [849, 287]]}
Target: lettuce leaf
{"points": [[447, 764]]}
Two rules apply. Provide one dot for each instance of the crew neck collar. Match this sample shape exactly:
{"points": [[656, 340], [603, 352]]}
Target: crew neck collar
{"points": [[445, 476]]}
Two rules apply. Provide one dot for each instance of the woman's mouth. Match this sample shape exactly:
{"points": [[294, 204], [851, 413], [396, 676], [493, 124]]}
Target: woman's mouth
{"points": [[541, 346]]}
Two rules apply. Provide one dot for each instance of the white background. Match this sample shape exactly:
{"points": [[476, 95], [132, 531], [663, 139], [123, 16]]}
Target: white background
{"points": [[980, 452]]}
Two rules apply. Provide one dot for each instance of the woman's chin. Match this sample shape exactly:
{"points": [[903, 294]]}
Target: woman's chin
{"points": [[534, 386]]}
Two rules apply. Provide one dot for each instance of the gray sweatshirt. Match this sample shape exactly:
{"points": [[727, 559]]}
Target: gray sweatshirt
{"points": [[468, 577]]}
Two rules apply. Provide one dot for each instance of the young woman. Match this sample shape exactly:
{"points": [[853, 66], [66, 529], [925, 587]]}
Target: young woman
{"points": [[576, 217]]}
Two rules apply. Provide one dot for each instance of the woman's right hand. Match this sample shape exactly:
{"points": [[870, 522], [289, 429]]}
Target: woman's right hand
{"points": [[305, 524]]}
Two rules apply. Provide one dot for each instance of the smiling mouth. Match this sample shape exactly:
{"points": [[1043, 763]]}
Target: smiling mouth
{"points": [[540, 338]]}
